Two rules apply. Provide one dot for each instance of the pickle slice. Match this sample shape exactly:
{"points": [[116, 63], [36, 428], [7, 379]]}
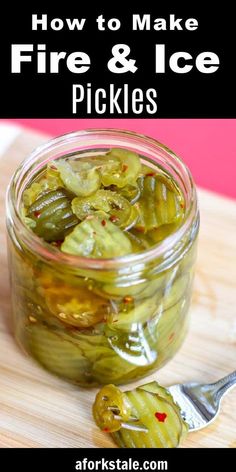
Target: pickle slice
{"points": [[120, 211], [102, 163], [142, 290], [32, 193], [169, 327], [53, 215], [156, 388], [132, 347], [159, 203], [160, 418], [158, 234], [53, 177], [175, 290], [145, 417], [130, 321], [147, 205], [129, 171], [130, 192], [51, 181], [139, 240], [108, 401], [76, 306], [94, 348], [132, 220], [57, 353], [26, 220], [81, 184], [112, 369], [97, 237]]}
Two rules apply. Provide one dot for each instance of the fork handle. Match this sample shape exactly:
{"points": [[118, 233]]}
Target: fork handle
{"points": [[220, 388]]}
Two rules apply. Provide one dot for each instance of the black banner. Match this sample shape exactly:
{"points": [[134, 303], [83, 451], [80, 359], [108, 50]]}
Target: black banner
{"points": [[68, 460], [87, 60]]}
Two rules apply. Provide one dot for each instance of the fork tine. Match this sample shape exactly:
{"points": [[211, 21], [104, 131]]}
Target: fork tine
{"points": [[134, 427], [113, 408], [131, 424], [131, 418]]}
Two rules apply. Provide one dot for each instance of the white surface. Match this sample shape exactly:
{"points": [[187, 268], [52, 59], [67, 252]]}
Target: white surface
{"points": [[8, 134]]}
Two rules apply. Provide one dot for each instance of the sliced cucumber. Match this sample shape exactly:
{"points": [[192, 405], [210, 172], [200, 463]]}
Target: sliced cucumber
{"points": [[53, 177], [110, 398], [159, 204], [81, 184], [132, 347], [130, 321], [130, 192], [175, 290], [129, 171], [145, 417], [52, 215], [112, 369], [160, 418], [32, 193], [139, 291], [102, 163], [120, 211], [57, 353], [97, 237], [76, 306]]}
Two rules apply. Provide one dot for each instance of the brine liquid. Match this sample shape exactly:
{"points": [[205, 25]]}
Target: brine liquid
{"points": [[98, 327]]}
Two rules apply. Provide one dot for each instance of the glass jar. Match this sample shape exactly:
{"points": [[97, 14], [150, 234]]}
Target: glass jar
{"points": [[138, 303]]}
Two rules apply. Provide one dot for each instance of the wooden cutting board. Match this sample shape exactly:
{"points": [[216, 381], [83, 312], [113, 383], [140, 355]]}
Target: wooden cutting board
{"points": [[39, 410]]}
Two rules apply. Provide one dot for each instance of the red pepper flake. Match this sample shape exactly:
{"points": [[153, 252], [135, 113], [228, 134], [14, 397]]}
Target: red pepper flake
{"points": [[53, 167], [160, 416], [113, 218], [104, 222], [182, 205], [151, 174], [140, 229], [128, 299], [124, 167], [106, 430], [171, 336], [37, 214]]}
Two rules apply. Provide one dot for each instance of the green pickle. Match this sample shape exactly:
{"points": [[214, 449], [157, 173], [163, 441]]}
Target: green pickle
{"points": [[145, 417], [106, 326], [52, 215]]}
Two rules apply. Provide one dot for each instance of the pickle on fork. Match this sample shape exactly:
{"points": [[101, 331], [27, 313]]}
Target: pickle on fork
{"points": [[145, 417]]}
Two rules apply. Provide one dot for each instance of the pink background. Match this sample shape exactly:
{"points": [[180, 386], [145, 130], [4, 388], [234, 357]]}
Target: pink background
{"points": [[207, 146]]}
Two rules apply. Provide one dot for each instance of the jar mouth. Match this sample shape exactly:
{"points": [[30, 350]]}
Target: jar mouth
{"points": [[92, 137]]}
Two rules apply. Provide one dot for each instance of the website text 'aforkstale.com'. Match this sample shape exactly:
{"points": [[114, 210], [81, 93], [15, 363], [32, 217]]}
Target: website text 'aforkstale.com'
{"points": [[129, 464]]}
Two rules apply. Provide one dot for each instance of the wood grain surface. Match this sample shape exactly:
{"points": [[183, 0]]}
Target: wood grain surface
{"points": [[40, 410]]}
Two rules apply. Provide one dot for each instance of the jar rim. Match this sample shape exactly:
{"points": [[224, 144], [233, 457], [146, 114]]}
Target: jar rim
{"points": [[53, 254]]}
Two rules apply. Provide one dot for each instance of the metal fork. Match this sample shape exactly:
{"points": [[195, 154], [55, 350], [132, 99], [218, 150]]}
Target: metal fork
{"points": [[200, 403]]}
